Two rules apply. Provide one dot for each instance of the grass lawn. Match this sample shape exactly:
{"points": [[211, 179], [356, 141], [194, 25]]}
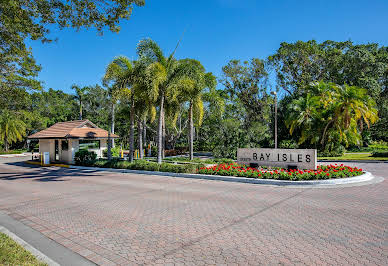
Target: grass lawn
{"points": [[354, 156], [12, 152], [11, 253]]}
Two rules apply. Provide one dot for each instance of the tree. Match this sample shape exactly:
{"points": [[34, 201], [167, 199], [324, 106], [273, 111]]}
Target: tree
{"points": [[299, 64], [330, 114], [166, 76], [248, 100], [194, 95], [31, 19], [12, 129], [80, 93], [121, 72]]}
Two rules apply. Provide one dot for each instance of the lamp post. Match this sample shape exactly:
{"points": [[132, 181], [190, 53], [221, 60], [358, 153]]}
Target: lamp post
{"points": [[276, 118]]}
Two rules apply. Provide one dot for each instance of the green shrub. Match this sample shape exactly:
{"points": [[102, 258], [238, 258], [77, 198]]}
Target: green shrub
{"points": [[288, 144], [380, 154], [115, 152], [13, 152], [337, 152], [84, 157], [154, 151]]}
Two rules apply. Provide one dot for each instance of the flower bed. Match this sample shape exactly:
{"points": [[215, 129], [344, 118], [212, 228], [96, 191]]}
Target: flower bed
{"points": [[322, 172]]}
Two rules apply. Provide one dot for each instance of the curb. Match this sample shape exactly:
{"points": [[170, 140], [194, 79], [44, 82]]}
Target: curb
{"points": [[352, 161], [51, 164], [311, 183], [36, 253]]}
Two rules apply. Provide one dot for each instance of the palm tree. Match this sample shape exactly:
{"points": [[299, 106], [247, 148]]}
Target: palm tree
{"points": [[330, 113], [302, 114], [194, 95], [166, 77], [351, 105], [80, 93], [12, 129], [121, 72]]}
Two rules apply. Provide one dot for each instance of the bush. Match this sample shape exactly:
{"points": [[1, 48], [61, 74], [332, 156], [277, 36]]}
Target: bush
{"points": [[288, 144], [154, 151], [148, 166], [337, 152], [13, 152], [380, 154], [115, 152], [84, 157], [322, 172]]}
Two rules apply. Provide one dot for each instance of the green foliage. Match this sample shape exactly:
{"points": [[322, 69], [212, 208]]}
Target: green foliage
{"points": [[338, 151], [115, 152], [84, 157], [322, 172], [13, 152], [11, 253], [148, 166], [12, 128], [330, 115], [24, 20], [288, 144], [380, 153]]}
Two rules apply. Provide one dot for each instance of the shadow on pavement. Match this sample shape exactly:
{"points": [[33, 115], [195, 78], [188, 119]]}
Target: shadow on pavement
{"points": [[43, 174]]}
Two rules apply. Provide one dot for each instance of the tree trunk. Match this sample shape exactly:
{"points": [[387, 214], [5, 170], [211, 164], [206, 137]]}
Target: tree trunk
{"points": [[109, 147], [140, 138], [160, 130], [131, 131], [145, 131], [164, 136], [191, 129], [5, 143], [80, 108], [112, 127]]}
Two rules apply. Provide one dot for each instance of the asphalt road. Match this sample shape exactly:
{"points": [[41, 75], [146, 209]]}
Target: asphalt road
{"points": [[112, 218]]}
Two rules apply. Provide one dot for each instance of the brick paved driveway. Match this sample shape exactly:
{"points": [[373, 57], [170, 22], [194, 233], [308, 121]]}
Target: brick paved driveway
{"points": [[124, 219]]}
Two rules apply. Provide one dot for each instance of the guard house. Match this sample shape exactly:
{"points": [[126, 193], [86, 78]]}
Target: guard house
{"points": [[64, 139]]}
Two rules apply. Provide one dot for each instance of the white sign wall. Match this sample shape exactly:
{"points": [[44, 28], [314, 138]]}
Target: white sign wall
{"points": [[299, 158]]}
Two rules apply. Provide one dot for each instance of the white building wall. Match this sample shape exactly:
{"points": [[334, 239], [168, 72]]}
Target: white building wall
{"points": [[47, 145], [73, 148]]}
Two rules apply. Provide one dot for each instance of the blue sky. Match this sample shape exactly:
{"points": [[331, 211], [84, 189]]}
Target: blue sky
{"points": [[216, 31]]}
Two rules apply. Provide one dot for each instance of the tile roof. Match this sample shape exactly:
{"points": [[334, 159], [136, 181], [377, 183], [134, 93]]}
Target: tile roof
{"points": [[72, 129]]}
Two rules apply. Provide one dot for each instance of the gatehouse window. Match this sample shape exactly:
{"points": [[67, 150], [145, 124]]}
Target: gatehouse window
{"points": [[86, 144]]}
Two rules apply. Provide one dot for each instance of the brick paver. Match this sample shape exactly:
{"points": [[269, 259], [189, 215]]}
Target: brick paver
{"points": [[122, 219]]}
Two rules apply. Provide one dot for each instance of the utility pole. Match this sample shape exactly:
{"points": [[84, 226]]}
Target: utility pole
{"points": [[276, 118]]}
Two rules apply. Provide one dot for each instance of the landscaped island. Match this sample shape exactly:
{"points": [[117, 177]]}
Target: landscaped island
{"points": [[224, 168], [322, 172]]}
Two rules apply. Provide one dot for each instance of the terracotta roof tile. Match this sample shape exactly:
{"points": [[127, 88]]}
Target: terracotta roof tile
{"points": [[72, 129]]}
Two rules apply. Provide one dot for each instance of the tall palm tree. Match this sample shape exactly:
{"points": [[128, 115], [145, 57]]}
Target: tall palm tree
{"points": [[166, 77], [80, 93], [12, 129], [121, 72], [194, 95]]}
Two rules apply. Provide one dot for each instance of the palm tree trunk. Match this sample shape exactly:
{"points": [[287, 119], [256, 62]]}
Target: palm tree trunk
{"points": [[160, 129], [191, 129], [145, 131], [140, 138], [112, 127], [109, 154], [164, 136], [5, 142], [131, 130], [324, 133], [80, 109]]}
